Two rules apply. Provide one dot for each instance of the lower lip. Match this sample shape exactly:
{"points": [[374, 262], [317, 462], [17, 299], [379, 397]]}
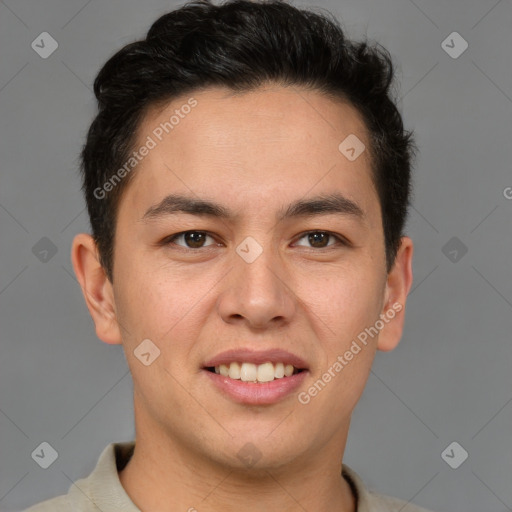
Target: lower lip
{"points": [[258, 393]]}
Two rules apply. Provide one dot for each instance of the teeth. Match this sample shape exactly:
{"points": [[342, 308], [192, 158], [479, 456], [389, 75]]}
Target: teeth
{"points": [[266, 372], [249, 372], [234, 371]]}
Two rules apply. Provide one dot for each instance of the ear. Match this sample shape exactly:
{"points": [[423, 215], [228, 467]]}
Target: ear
{"points": [[398, 284], [97, 289]]}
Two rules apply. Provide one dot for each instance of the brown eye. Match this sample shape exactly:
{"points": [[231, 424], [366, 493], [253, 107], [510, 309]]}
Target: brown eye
{"points": [[192, 239], [320, 239]]}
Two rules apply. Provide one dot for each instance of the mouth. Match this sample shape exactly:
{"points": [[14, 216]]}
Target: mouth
{"points": [[250, 372], [256, 377]]}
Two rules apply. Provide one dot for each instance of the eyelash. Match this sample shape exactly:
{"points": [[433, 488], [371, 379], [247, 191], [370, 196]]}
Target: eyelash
{"points": [[170, 239]]}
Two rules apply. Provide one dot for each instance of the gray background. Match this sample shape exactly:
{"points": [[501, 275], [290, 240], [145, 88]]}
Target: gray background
{"points": [[449, 379]]}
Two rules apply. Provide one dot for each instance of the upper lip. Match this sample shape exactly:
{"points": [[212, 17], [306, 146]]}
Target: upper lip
{"points": [[257, 357]]}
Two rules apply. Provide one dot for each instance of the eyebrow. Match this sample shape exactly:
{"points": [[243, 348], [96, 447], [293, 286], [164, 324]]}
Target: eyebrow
{"points": [[310, 207]]}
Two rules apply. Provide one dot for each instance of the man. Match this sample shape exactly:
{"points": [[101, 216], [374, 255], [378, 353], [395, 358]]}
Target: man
{"points": [[247, 179]]}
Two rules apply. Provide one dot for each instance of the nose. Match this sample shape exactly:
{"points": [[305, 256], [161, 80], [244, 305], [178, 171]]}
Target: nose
{"points": [[258, 293]]}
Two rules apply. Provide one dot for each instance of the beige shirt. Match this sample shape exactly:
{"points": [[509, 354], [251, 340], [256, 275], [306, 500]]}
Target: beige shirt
{"points": [[102, 491]]}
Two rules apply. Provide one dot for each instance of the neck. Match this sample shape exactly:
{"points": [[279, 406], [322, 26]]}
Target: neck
{"points": [[165, 475]]}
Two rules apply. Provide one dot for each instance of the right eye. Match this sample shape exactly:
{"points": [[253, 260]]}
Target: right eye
{"points": [[192, 239]]}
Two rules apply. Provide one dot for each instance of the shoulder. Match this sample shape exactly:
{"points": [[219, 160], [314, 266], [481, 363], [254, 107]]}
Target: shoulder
{"points": [[57, 504], [100, 490], [77, 500], [369, 501], [383, 503]]}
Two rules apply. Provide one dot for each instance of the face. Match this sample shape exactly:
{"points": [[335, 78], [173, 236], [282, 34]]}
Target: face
{"points": [[286, 264]]}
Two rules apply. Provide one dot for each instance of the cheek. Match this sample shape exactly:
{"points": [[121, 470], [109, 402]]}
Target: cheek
{"points": [[163, 307], [161, 304], [347, 350], [346, 305], [354, 307]]}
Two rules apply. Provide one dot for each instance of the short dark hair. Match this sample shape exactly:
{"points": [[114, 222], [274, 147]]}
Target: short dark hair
{"points": [[241, 45]]}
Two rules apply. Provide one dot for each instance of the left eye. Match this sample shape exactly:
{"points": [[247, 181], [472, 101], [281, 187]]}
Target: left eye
{"points": [[318, 239]]}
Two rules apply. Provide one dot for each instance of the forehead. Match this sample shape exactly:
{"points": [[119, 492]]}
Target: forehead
{"points": [[276, 142]]}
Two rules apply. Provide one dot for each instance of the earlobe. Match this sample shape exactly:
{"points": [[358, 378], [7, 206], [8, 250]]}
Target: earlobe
{"points": [[398, 284], [96, 288]]}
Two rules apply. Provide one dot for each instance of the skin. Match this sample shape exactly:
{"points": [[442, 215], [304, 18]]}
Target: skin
{"points": [[254, 153]]}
